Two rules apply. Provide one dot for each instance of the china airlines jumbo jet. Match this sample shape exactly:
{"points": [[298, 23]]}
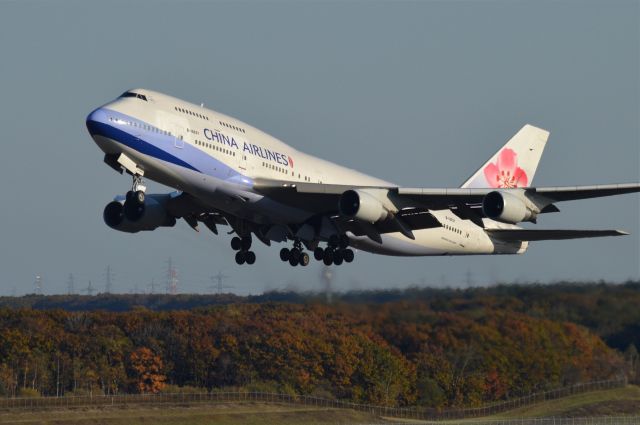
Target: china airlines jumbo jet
{"points": [[227, 172]]}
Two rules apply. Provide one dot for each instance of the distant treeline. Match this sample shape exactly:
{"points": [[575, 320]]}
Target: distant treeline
{"points": [[610, 310], [427, 347]]}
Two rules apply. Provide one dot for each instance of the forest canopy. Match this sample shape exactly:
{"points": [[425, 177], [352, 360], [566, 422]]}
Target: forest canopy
{"points": [[424, 347]]}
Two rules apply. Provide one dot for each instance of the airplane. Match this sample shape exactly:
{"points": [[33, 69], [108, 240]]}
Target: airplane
{"points": [[226, 172]]}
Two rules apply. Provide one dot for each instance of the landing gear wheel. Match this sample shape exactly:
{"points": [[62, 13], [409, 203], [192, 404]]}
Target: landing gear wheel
{"points": [[338, 257], [328, 257], [236, 243], [295, 254], [293, 261], [344, 241], [348, 255], [318, 253], [250, 257], [334, 240], [132, 210], [304, 259], [139, 197], [246, 243], [240, 258], [285, 254], [129, 196]]}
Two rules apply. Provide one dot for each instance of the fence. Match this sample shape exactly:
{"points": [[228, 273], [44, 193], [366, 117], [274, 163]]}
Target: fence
{"points": [[306, 400]]}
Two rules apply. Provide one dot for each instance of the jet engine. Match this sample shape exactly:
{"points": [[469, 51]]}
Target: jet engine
{"points": [[132, 216], [507, 207], [362, 205]]}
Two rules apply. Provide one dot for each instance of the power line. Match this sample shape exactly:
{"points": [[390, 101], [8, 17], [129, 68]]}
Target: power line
{"points": [[38, 285], [152, 286], [326, 275], [469, 278], [109, 278], [89, 289], [218, 283], [172, 278], [71, 287]]}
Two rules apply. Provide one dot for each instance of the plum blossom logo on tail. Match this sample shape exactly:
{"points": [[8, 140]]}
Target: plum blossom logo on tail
{"points": [[505, 173]]}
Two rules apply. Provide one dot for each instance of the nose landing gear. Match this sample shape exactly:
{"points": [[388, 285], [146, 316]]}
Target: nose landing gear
{"points": [[134, 201]]}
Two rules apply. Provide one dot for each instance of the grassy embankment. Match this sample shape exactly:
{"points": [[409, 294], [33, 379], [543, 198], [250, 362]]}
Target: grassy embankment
{"points": [[614, 402], [217, 414]]}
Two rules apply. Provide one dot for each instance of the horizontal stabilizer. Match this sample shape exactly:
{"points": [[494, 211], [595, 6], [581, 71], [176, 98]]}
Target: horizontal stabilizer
{"points": [[545, 235]]}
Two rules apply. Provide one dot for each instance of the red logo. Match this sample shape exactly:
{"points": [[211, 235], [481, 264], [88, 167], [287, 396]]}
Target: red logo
{"points": [[505, 172], [291, 162]]}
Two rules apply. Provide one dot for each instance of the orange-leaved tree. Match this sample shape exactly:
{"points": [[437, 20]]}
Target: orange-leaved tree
{"points": [[147, 368]]}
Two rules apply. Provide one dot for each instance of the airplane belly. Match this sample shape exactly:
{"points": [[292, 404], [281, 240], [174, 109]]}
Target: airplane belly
{"points": [[428, 242]]}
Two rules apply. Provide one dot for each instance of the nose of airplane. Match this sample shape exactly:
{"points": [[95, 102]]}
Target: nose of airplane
{"points": [[95, 119]]}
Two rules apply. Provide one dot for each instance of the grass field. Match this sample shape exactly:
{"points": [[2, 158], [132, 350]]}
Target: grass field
{"points": [[617, 401], [218, 414], [614, 402]]}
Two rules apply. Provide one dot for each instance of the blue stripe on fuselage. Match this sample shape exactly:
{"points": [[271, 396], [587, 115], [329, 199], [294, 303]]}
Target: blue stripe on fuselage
{"points": [[136, 143], [159, 145]]}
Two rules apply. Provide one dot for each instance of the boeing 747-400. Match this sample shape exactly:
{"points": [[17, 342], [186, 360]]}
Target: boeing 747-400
{"points": [[227, 172]]}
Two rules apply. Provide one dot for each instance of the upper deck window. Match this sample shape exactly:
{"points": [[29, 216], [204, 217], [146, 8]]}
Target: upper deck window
{"points": [[132, 94]]}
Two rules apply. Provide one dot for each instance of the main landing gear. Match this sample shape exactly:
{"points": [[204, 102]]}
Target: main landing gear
{"points": [[243, 246], [336, 252], [295, 255]]}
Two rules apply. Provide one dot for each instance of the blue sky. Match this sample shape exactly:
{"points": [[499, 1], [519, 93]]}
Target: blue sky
{"points": [[419, 93]]}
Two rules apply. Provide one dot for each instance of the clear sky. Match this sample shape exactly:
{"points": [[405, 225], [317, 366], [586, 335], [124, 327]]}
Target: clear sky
{"points": [[418, 93]]}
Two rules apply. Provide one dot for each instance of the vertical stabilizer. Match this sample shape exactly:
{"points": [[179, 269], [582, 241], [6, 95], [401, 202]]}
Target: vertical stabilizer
{"points": [[514, 165]]}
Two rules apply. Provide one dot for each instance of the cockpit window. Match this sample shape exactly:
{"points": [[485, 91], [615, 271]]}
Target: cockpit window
{"points": [[132, 94]]}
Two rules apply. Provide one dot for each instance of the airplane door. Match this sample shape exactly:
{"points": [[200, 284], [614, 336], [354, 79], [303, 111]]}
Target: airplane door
{"points": [[178, 133], [178, 136], [242, 162], [179, 141]]}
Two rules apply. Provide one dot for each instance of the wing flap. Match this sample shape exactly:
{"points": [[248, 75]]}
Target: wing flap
{"points": [[549, 234], [570, 193]]}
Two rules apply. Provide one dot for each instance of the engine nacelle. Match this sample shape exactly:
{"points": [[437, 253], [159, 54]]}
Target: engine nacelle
{"points": [[152, 215], [362, 205], [507, 208]]}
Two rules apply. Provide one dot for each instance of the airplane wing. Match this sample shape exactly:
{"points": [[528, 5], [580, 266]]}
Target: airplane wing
{"points": [[544, 235], [324, 197], [413, 206], [571, 193]]}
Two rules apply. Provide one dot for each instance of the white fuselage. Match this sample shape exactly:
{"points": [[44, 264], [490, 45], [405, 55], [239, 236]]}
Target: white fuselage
{"points": [[217, 159]]}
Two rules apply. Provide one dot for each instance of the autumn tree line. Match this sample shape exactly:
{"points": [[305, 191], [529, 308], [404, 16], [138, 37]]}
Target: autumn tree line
{"points": [[426, 347]]}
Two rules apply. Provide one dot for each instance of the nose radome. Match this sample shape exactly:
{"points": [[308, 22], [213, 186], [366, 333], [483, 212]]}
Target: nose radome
{"points": [[94, 119]]}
